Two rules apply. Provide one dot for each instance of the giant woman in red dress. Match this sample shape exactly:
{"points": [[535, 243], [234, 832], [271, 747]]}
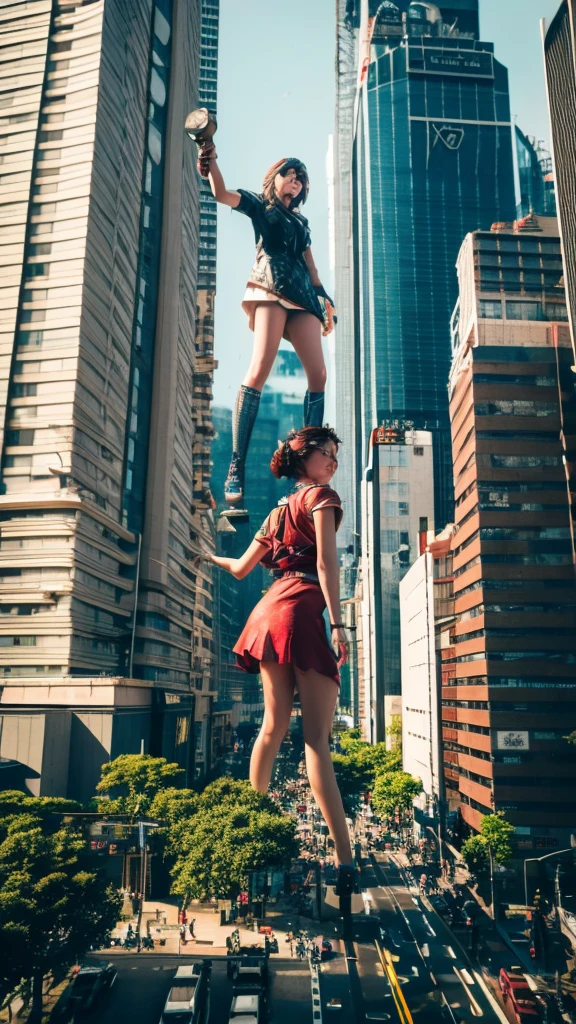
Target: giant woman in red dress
{"points": [[285, 636]]}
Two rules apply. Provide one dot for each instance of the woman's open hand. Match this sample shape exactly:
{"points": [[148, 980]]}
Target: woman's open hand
{"points": [[340, 644]]}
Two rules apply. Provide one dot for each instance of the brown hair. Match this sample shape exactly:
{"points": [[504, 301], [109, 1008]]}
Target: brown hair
{"points": [[282, 167], [288, 459]]}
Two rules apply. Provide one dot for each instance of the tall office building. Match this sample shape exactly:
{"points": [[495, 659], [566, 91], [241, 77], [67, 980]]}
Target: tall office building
{"points": [[347, 29], [202, 526], [100, 204], [398, 504], [510, 703], [427, 621], [560, 65], [432, 159], [535, 181]]}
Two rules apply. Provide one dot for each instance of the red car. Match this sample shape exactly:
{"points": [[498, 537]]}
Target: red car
{"points": [[515, 988]]}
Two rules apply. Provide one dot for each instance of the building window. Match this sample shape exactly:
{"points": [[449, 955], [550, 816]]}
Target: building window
{"points": [[418, 451], [489, 309], [524, 310], [17, 641], [556, 311]]}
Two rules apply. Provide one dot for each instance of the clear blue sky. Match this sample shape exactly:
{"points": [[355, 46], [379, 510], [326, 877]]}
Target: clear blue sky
{"points": [[276, 99]]}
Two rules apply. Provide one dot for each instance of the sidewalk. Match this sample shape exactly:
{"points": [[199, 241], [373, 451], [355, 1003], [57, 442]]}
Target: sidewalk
{"points": [[210, 935]]}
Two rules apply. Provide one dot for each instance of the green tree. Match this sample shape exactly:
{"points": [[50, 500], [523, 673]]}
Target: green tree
{"points": [[226, 790], [394, 791], [476, 854], [13, 801], [219, 846], [132, 781], [353, 778], [53, 904], [172, 804], [394, 732], [495, 834]]}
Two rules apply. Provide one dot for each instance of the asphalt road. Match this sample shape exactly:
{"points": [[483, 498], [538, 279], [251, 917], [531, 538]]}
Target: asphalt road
{"points": [[143, 982], [429, 979]]}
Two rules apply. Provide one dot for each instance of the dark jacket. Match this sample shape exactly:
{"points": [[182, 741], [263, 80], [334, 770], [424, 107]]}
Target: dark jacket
{"points": [[282, 236]]}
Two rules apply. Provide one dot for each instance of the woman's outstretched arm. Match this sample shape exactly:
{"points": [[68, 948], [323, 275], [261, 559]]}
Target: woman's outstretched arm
{"points": [[240, 567], [207, 161]]}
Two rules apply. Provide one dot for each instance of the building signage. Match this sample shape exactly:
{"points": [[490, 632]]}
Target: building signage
{"points": [[432, 61], [512, 740]]}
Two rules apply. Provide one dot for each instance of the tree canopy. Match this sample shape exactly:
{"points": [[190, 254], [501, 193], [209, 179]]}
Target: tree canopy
{"points": [[394, 791], [234, 831], [54, 905], [132, 781], [495, 833]]}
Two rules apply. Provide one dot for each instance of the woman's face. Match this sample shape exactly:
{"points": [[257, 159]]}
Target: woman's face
{"points": [[288, 184], [321, 465]]}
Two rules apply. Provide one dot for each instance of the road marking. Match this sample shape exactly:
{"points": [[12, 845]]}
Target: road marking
{"points": [[429, 926], [450, 952], [425, 949], [316, 1001], [394, 983], [462, 975]]}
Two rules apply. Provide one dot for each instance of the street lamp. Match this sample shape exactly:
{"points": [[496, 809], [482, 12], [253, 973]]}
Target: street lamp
{"points": [[555, 853]]}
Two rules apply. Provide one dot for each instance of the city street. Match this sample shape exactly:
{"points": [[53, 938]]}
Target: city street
{"points": [[430, 981]]}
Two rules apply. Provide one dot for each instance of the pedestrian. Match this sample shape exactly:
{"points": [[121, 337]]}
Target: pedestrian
{"points": [[284, 296], [191, 928], [183, 934]]}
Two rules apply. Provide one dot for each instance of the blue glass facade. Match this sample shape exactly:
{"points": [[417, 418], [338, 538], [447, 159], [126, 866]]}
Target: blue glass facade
{"points": [[433, 160]]}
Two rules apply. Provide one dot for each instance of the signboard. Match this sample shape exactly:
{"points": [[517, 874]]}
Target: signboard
{"points": [[512, 740], [434, 61]]}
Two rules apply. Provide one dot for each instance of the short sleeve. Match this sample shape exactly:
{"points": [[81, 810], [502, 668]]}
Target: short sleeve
{"points": [[324, 497], [250, 203], [263, 534]]}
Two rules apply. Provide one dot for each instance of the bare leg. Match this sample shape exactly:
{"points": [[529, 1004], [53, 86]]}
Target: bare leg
{"points": [[269, 321], [278, 685], [318, 695], [305, 333]]}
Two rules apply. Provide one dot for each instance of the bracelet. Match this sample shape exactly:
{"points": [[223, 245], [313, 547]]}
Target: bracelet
{"points": [[337, 625]]}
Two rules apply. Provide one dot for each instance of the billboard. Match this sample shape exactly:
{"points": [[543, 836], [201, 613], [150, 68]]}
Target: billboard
{"points": [[512, 740]]}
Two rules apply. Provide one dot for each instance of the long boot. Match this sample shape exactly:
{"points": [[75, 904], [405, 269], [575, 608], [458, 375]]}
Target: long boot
{"points": [[313, 409], [245, 412]]}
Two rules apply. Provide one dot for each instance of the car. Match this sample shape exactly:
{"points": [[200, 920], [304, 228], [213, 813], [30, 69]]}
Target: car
{"points": [[189, 996], [516, 990], [250, 976], [90, 983], [247, 1008]]}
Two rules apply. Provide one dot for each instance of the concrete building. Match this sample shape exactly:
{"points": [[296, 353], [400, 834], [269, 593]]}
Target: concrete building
{"points": [[426, 623], [398, 505], [99, 604], [511, 701], [560, 66]]}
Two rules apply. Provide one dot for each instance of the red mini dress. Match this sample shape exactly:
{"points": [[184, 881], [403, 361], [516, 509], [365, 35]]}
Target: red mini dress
{"points": [[287, 626]]}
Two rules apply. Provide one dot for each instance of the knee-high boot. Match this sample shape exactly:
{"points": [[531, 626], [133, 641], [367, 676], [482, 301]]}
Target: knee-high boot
{"points": [[314, 409], [243, 418]]}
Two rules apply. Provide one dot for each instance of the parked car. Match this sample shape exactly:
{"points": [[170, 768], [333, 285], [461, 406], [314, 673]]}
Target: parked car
{"points": [[188, 1000], [247, 1009], [89, 985], [517, 992]]}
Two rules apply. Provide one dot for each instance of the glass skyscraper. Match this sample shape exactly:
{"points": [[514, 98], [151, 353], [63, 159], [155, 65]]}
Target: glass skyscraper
{"points": [[432, 160]]}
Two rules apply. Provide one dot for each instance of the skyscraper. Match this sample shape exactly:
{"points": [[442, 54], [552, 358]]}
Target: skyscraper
{"points": [[535, 177], [100, 204], [560, 65], [432, 159], [202, 526], [510, 702]]}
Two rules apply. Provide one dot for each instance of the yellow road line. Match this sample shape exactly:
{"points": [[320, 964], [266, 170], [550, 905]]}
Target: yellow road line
{"points": [[395, 987]]}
